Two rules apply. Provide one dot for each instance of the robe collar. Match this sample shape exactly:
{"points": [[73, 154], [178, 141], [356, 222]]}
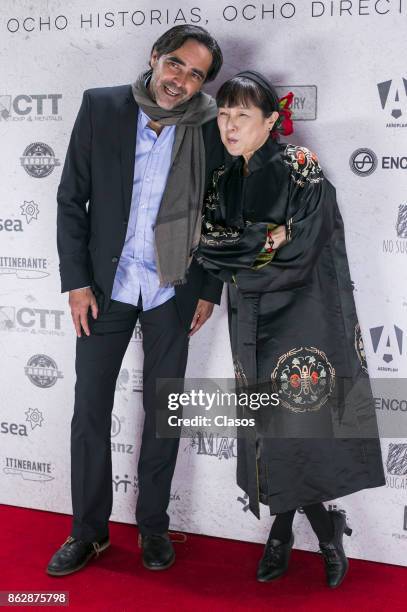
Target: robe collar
{"points": [[263, 155]]}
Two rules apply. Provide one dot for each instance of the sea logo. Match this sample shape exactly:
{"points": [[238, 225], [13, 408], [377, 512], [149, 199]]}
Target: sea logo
{"points": [[387, 344], [42, 371], [363, 162], [30, 211], [393, 98], [39, 160]]}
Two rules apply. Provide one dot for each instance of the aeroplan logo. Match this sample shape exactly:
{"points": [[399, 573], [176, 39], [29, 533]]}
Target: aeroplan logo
{"points": [[393, 96], [387, 345]]}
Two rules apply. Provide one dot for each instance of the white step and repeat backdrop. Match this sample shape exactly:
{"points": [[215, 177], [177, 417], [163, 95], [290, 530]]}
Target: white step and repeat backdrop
{"points": [[345, 62]]}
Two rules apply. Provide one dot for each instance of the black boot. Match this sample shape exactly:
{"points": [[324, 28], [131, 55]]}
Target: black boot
{"points": [[274, 562], [336, 563], [74, 554]]}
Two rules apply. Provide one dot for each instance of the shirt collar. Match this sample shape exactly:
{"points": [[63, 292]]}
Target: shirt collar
{"points": [[143, 119]]}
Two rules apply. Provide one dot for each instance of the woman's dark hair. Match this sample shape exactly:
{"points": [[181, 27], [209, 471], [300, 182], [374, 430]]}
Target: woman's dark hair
{"points": [[242, 91], [178, 35]]}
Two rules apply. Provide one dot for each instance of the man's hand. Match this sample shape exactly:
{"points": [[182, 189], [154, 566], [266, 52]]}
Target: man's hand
{"points": [[278, 235], [80, 300], [203, 311]]}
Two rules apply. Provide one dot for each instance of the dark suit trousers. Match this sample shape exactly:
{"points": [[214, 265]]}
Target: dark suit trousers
{"points": [[98, 361]]}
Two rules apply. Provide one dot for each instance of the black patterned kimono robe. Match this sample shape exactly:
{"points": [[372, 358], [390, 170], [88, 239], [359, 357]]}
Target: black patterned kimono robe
{"points": [[294, 328]]}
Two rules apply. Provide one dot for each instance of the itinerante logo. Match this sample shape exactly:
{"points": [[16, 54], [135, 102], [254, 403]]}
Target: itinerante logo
{"points": [[28, 469], [35, 107], [39, 160], [24, 267]]}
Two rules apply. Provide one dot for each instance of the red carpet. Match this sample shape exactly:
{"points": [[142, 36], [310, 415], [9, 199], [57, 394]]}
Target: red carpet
{"points": [[210, 574]]}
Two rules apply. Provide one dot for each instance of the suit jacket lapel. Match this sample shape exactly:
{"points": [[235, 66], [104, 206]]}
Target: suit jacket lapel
{"points": [[128, 135]]}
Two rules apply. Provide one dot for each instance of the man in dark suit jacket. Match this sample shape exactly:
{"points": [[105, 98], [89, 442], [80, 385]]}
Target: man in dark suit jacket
{"points": [[116, 174]]}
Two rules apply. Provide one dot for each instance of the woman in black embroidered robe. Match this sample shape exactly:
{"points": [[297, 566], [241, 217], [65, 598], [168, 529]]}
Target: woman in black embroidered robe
{"points": [[273, 231]]}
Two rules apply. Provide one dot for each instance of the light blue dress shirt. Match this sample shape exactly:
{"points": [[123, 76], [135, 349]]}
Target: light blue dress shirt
{"points": [[137, 271]]}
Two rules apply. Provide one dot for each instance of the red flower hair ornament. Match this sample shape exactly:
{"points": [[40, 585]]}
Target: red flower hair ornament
{"points": [[284, 124]]}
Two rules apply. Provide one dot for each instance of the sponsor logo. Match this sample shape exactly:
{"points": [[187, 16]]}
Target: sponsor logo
{"points": [[390, 404], [304, 379], [42, 371], [39, 160], [11, 225], [397, 459], [15, 429], [363, 162], [28, 469], [396, 466], [398, 246], [119, 447], [137, 334], [34, 417], [304, 104], [125, 484], [387, 344], [401, 225], [116, 425], [129, 379], [212, 445], [24, 267], [122, 380], [30, 211], [244, 500], [393, 100], [34, 107], [31, 320]]}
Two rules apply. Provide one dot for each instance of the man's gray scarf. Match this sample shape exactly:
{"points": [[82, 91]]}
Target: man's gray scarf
{"points": [[178, 224]]}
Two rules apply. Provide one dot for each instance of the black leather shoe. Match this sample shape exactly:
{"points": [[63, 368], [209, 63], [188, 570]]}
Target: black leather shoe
{"points": [[158, 551], [74, 554], [274, 562], [336, 563]]}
